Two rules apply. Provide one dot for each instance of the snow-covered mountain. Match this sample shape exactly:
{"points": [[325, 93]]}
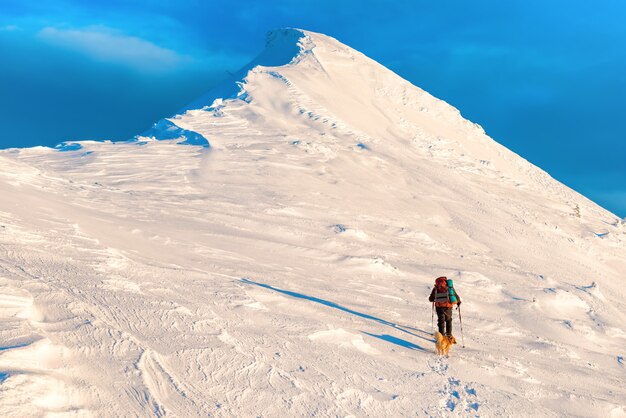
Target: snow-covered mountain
{"points": [[278, 262]]}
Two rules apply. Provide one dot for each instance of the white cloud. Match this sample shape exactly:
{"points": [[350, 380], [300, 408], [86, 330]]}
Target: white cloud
{"points": [[103, 44]]}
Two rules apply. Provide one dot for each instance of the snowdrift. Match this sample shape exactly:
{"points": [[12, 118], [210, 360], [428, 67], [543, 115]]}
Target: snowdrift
{"points": [[278, 262]]}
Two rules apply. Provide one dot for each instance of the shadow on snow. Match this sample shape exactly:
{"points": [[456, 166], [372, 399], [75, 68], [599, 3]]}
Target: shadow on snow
{"points": [[396, 341], [385, 337]]}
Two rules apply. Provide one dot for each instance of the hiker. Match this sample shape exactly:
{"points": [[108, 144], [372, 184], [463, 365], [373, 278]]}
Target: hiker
{"points": [[444, 296]]}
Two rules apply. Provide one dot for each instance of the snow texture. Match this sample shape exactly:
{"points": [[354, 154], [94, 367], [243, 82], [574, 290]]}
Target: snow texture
{"points": [[285, 269], [165, 129]]}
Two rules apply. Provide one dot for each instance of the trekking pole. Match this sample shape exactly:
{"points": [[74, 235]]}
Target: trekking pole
{"points": [[432, 318], [461, 322]]}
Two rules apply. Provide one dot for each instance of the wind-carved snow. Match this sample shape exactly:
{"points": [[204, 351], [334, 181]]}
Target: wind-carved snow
{"points": [[166, 129], [285, 268]]}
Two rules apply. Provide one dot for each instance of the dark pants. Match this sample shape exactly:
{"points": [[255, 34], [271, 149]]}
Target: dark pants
{"points": [[444, 315]]}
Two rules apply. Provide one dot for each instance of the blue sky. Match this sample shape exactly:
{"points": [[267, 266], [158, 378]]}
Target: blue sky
{"points": [[546, 79]]}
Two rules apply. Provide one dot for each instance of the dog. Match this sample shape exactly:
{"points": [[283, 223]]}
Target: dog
{"points": [[444, 343]]}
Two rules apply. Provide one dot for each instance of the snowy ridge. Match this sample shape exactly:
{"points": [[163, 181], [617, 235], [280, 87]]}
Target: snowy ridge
{"points": [[279, 263]]}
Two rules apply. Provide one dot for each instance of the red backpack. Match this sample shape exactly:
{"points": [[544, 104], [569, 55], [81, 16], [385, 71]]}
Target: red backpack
{"points": [[442, 293]]}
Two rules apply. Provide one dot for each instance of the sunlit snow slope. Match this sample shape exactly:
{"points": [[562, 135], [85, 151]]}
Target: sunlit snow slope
{"points": [[280, 264]]}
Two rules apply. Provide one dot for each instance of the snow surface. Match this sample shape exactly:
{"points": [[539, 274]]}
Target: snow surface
{"points": [[285, 269]]}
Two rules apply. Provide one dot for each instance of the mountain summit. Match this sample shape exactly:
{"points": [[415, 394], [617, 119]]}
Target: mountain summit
{"points": [[270, 250]]}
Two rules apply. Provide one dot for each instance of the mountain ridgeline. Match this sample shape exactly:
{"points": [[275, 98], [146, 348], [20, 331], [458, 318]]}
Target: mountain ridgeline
{"points": [[270, 249]]}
